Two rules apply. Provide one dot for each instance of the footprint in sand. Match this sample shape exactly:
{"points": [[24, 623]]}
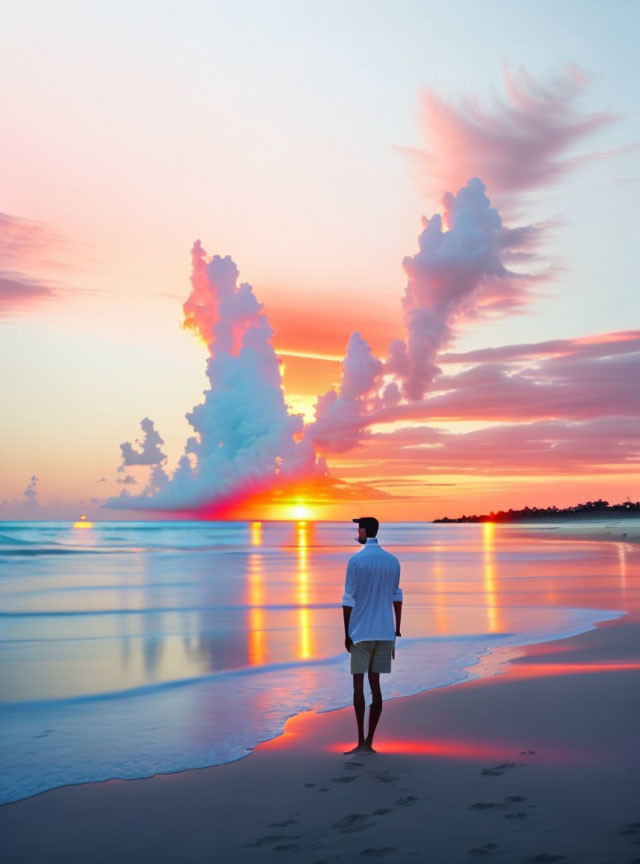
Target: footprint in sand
{"points": [[353, 823], [380, 852], [519, 816], [409, 801], [284, 824], [351, 766], [487, 805], [267, 838], [632, 831], [498, 770], [486, 849], [515, 799], [286, 847], [544, 858], [385, 777], [381, 811], [342, 779]]}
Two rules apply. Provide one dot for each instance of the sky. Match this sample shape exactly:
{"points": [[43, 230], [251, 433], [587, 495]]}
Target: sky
{"points": [[381, 360]]}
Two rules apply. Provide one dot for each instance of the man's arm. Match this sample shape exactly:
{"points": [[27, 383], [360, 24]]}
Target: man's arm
{"points": [[346, 617], [349, 601], [397, 608], [397, 602]]}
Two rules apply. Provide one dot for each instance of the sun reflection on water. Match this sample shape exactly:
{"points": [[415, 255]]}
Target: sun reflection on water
{"points": [[256, 533], [490, 581], [622, 558], [442, 619], [302, 535], [256, 612]]}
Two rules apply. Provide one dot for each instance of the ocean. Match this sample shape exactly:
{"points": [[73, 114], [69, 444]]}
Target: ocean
{"points": [[131, 649]]}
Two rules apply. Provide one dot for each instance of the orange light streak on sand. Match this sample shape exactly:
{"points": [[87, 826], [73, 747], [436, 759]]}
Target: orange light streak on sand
{"points": [[545, 670], [490, 584], [443, 749], [256, 613], [302, 531]]}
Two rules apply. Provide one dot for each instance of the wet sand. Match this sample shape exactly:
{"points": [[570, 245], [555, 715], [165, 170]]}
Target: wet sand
{"points": [[617, 530], [540, 764]]}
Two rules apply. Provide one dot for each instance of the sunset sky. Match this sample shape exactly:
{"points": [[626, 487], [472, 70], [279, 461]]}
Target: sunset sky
{"points": [[498, 358]]}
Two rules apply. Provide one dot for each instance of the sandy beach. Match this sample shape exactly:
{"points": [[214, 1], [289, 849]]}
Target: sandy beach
{"points": [[539, 764], [536, 764]]}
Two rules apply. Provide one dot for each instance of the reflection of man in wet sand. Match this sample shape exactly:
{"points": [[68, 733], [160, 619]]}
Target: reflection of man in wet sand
{"points": [[372, 595]]}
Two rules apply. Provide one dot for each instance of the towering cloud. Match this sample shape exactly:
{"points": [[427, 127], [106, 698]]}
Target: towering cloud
{"points": [[454, 271], [458, 270], [244, 438], [341, 416], [468, 263]]}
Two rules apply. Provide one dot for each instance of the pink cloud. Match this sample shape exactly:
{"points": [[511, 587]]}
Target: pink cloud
{"points": [[596, 380], [598, 345], [24, 247], [17, 290], [518, 143], [610, 444], [25, 241]]}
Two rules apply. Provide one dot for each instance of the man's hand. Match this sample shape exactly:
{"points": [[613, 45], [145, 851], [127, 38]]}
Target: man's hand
{"points": [[397, 608], [348, 642]]}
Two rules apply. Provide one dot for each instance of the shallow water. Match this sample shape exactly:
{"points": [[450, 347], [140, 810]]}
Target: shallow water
{"points": [[129, 649]]}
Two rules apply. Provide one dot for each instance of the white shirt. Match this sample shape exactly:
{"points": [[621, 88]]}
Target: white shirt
{"points": [[371, 586]]}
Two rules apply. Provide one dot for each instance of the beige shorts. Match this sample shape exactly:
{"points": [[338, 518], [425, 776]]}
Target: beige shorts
{"points": [[371, 656]]}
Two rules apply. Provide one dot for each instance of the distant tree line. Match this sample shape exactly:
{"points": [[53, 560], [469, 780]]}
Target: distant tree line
{"points": [[580, 511]]}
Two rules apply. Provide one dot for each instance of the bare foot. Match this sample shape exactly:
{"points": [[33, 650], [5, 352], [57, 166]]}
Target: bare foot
{"points": [[360, 748]]}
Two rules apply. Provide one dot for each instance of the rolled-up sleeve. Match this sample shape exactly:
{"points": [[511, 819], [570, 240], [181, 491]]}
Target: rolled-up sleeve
{"points": [[350, 585], [397, 594]]}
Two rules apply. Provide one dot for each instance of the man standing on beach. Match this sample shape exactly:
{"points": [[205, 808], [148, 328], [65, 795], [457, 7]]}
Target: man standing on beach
{"points": [[372, 595]]}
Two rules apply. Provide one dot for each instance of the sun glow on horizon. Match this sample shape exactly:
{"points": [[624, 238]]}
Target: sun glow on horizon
{"points": [[83, 523]]}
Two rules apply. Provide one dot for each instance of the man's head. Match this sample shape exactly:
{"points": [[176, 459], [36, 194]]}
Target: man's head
{"points": [[367, 527]]}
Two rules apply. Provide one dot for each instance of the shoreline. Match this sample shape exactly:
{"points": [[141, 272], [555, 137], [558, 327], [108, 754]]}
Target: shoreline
{"points": [[487, 661], [525, 756], [614, 530]]}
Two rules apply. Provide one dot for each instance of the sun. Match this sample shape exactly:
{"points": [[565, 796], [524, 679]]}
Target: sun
{"points": [[82, 523], [301, 512]]}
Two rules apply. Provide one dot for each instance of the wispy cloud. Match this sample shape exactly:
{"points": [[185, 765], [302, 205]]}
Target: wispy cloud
{"points": [[610, 444], [520, 142], [28, 248]]}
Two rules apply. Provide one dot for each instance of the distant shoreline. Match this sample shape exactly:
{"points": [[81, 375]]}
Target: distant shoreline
{"points": [[589, 512]]}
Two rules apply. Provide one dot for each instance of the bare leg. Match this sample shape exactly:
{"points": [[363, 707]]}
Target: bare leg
{"points": [[376, 707], [358, 707]]}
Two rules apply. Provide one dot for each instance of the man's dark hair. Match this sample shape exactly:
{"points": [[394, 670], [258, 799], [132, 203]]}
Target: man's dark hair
{"points": [[369, 523]]}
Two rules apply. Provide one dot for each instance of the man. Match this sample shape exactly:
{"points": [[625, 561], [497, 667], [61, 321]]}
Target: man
{"points": [[372, 595]]}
